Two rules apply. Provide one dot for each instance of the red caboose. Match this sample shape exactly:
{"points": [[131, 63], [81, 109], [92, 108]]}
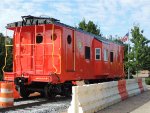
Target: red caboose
{"points": [[48, 56]]}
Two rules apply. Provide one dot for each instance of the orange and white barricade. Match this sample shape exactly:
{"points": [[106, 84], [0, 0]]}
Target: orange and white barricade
{"points": [[6, 94]]}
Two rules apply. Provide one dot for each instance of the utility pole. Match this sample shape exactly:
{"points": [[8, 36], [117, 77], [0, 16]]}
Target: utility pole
{"points": [[128, 56]]}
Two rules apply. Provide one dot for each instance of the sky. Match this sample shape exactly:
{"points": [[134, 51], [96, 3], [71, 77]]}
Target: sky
{"points": [[114, 17]]}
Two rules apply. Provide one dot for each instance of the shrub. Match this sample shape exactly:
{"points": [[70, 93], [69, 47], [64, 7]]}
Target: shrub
{"points": [[147, 80]]}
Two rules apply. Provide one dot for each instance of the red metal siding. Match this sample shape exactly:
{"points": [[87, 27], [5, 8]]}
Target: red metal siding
{"points": [[98, 67]]}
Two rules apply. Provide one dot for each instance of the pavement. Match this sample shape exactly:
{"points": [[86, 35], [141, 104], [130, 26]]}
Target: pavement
{"points": [[136, 104]]}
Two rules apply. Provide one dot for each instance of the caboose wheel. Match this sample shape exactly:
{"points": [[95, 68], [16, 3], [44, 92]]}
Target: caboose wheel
{"points": [[67, 94], [49, 91], [67, 91], [23, 92]]}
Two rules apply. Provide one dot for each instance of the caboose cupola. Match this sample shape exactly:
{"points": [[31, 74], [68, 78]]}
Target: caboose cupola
{"points": [[32, 20]]}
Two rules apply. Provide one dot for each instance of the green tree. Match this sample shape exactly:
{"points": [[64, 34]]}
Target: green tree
{"points": [[9, 59], [89, 27], [146, 65], [2, 53], [138, 55], [117, 41], [8, 67]]}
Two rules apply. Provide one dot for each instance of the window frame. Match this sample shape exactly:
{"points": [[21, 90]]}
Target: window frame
{"points": [[37, 39], [69, 39], [105, 57], [98, 54], [86, 53], [112, 57]]}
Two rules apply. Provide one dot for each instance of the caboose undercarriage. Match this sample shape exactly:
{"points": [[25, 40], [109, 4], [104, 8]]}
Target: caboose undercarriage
{"points": [[47, 90], [50, 90]]}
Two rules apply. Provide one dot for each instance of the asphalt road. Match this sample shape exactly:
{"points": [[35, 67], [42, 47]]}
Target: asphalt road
{"points": [[136, 104]]}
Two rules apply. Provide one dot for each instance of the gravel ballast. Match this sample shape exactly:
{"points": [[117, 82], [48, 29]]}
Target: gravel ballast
{"points": [[58, 105]]}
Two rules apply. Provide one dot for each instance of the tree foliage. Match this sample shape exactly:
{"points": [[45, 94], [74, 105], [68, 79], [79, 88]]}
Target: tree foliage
{"points": [[118, 41], [8, 67], [146, 65], [89, 27], [139, 55]]}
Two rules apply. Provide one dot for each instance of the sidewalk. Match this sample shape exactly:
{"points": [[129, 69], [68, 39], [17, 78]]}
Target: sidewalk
{"points": [[143, 109]]}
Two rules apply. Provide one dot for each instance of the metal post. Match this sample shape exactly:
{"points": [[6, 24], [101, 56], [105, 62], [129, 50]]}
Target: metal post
{"points": [[128, 56]]}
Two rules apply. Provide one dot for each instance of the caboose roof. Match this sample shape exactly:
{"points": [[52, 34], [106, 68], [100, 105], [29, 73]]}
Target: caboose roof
{"points": [[32, 20]]}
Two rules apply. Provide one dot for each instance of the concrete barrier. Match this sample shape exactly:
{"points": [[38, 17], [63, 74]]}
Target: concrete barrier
{"points": [[94, 97], [144, 84], [122, 89], [132, 87]]}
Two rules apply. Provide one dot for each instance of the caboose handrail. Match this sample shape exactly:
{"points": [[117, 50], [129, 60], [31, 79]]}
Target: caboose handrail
{"points": [[43, 47], [33, 44], [34, 50], [53, 49], [20, 48], [6, 45]]}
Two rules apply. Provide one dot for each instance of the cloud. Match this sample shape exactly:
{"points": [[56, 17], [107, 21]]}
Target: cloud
{"points": [[115, 17]]}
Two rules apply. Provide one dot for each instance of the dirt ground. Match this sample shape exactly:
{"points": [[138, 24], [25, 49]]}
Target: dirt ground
{"points": [[136, 104]]}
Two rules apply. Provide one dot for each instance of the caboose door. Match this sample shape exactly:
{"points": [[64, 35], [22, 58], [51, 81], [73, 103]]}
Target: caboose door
{"points": [[39, 60], [39, 50], [70, 52]]}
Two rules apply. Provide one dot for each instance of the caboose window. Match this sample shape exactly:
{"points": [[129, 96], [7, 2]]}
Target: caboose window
{"points": [[87, 52], [69, 39], [39, 38], [111, 56], [97, 54], [105, 55]]}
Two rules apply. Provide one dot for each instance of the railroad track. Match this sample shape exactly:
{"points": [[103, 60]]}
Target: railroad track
{"points": [[38, 105]]}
